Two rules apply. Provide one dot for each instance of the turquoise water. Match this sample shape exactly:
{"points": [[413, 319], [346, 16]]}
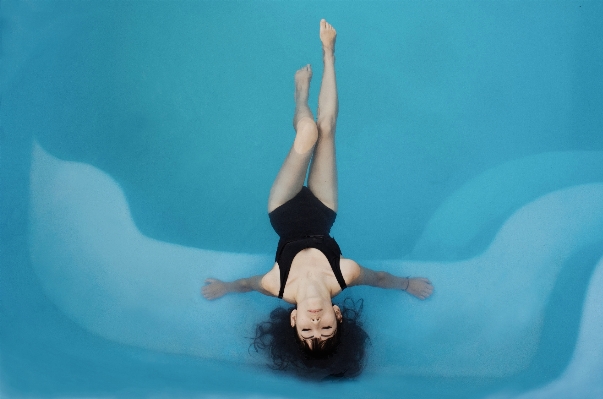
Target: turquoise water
{"points": [[140, 140]]}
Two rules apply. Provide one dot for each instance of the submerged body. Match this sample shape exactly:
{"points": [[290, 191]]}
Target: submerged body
{"points": [[309, 269]]}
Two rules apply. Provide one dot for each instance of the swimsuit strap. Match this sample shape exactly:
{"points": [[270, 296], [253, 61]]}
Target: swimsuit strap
{"points": [[282, 290], [337, 270], [283, 268]]}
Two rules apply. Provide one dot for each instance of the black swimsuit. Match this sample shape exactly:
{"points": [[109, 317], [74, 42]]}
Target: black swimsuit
{"points": [[304, 222]]}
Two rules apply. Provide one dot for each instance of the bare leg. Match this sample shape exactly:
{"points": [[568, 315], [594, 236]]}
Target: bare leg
{"points": [[292, 175], [322, 179]]}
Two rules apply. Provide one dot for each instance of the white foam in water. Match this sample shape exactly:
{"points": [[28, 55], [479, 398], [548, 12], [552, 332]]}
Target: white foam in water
{"points": [[484, 318]]}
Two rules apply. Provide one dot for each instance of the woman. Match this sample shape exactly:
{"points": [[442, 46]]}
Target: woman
{"points": [[309, 269]]}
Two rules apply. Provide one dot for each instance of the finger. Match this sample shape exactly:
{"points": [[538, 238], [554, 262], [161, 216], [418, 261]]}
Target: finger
{"points": [[210, 280]]}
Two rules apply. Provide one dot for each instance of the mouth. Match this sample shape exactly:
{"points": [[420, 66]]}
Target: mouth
{"points": [[314, 310]]}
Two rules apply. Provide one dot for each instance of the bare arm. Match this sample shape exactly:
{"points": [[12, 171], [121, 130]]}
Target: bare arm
{"points": [[419, 287], [215, 288]]}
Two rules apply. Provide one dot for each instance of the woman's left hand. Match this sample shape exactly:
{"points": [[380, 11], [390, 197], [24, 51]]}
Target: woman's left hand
{"points": [[214, 288], [420, 287]]}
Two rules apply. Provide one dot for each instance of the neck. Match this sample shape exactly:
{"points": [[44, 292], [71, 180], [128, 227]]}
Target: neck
{"points": [[310, 287]]}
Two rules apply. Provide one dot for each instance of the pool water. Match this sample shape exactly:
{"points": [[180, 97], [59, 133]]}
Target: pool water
{"points": [[139, 141]]}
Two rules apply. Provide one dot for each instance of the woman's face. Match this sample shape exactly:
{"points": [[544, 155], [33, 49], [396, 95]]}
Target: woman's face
{"points": [[315, 319]]}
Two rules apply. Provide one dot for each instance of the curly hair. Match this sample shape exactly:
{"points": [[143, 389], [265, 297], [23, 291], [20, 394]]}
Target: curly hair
{"points": [[339, 357]]}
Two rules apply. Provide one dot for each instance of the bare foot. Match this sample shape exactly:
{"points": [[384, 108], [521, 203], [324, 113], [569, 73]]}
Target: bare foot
{"points": [[327, 35], [302, 83]]}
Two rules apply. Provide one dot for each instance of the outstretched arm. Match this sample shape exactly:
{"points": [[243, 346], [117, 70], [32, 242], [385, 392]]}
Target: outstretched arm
{"points": [[419, 287], [215, 288]]}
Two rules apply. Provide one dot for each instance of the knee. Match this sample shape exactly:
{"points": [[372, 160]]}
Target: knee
{"points": [[307, 134], [326, 126]]}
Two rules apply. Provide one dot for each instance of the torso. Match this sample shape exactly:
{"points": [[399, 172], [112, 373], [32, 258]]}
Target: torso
{"points": [[312, 263]]}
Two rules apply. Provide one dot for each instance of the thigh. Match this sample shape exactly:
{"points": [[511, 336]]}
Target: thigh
{"points": [[290, 179], [322, 179]]}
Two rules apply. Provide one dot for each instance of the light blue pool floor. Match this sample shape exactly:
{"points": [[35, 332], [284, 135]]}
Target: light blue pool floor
{"points": [[139, 142]]}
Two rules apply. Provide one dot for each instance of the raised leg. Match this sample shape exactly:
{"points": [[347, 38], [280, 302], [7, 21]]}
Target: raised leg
{"points": [[292, 175], [322, 179]]}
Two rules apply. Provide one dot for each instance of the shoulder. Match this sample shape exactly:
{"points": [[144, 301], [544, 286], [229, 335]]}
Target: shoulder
{"points": [[271, 281], [350, 270]]}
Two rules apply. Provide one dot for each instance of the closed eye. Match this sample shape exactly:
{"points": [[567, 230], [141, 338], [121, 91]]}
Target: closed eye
{"points": [[322, 335]]}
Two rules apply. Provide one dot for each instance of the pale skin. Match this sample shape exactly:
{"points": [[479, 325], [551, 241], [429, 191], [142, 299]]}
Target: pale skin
{"points": [[311, 283]]}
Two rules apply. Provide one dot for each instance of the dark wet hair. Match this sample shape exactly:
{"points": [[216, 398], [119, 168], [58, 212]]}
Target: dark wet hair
{"points": [[341, 356]]}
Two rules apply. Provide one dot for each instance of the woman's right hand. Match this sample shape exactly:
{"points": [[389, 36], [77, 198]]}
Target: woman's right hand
{"points": [[214, 288]]}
